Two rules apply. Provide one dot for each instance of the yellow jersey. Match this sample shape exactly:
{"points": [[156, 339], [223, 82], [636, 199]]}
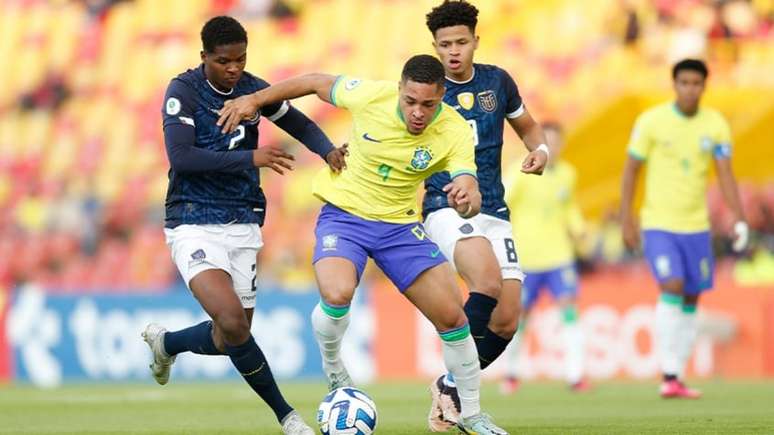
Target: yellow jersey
{"points": [[678, 150], [544, 215], [386, 163]]}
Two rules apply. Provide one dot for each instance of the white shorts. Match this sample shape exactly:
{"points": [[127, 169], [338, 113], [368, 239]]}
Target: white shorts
{"points": [[445, 227], [231, 248]]}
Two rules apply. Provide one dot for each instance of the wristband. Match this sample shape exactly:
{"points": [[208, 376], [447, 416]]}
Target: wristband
{"points": [[543, 147]]}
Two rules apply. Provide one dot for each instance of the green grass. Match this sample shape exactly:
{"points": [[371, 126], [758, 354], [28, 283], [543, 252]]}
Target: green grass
{"points": [[538, 408]]}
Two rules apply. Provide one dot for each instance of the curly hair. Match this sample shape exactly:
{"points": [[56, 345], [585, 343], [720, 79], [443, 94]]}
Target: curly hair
{"points": [[452, 13], [222, 30], [423, 68]]}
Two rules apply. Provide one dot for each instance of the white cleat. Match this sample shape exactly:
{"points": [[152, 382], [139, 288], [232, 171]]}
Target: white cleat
{"points": [[293, 424], [480, 424], [154, 336], [339, 379]]}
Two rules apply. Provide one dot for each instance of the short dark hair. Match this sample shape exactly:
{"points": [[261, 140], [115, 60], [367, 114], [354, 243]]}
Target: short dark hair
{"points": [[690, 65], [452, 13], [222, 30], [423, 68]]}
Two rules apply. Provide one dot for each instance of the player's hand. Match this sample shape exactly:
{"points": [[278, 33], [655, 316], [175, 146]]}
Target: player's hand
{"points": [[631, 234], [467, 202], [741, 236], [336, 158], [535, 162], [273, 158], [234, 111]]}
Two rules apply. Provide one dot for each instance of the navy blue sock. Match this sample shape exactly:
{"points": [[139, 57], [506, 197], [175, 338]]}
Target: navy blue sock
{"points": [[196, 339], [490, 347], [252, 365], [479, 309]]}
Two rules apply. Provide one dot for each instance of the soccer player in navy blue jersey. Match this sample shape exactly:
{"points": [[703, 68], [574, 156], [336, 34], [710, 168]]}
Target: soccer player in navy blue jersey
{"points": [[481, 248], [215, 208]]}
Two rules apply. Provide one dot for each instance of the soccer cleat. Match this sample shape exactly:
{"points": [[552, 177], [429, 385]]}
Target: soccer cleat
{"points": [[154, 336], [509, 385], [675, 389], [445, 406], [339, 379], [480, 424], [581, 386], [293, 424]]}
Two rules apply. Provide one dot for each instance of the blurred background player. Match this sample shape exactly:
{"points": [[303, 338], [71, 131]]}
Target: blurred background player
{"points": [[481, 248], [370, 211], [679, 140], [215, 208], [551, 224]]}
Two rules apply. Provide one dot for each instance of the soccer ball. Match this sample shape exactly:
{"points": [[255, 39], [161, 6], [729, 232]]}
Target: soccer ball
{"points": [[347, 411]]}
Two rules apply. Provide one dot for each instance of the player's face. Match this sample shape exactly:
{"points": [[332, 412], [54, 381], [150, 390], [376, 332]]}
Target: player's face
{"points": [[689, 86], [455, 46], [223, 67], [418, 103]]}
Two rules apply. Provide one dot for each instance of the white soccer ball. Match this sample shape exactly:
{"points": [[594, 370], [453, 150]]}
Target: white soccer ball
{"points": [[347, 411]]}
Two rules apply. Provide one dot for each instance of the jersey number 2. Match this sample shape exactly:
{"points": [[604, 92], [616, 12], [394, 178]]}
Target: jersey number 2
{"points": [[240, 134]]}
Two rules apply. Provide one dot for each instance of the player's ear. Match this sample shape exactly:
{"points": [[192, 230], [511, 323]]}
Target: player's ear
{"points": [[203, 55], [475, 41]]}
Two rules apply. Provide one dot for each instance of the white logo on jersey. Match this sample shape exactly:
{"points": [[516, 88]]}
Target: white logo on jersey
{"points": [[352, 84], [173, 106]]}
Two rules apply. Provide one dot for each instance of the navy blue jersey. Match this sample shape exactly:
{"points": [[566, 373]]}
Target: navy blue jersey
{"points": [[231, 192], [485, 101]]}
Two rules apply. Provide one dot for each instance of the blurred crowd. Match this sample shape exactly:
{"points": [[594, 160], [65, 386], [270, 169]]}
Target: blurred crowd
{"points": [[82, 161]]}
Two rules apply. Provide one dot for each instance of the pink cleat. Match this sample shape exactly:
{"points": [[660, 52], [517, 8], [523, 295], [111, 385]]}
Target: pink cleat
{"points": [[581, 386], [677, 390], [509, 385]]}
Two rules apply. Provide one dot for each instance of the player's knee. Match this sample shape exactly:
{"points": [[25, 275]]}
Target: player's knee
{"points": [[337, 295], [450, 319], [489, 285], [505, 328], [233, 327]]}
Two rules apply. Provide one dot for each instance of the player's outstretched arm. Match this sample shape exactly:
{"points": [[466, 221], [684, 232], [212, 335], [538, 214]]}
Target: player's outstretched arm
{"points": [[730, 191], [463, 194], [631, 233], [245, 106], [531, 133]]}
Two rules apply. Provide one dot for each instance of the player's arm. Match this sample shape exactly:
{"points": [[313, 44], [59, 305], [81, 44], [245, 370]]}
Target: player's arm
{"points": [[631, 234], [180, 142], [462, 193], [304, 130], [730, 191], [530, 132], [245, 106]]}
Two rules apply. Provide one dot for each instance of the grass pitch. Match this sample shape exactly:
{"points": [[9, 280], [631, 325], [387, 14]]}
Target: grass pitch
{"points": [[538, 408]]}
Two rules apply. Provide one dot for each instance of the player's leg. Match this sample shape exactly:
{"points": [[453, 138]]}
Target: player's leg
{"points": [[463, 242], [563, 284], [339, 260], [696, 250], [663, 254], [436, 295], [411, 261], [533, 282]]}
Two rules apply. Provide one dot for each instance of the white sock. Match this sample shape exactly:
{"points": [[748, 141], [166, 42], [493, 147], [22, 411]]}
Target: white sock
{"points": [[668, 321], [686, 338], [461, 359], [512, 354], [573, 351], [329, 331]]}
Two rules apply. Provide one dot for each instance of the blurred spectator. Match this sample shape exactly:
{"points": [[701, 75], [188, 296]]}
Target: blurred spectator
{"points": [[49, 95]]}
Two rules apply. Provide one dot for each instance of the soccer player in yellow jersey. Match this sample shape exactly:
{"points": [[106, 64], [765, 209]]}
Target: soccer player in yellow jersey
{"points": [[547, 209], [679, 141], [401, 134]]}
